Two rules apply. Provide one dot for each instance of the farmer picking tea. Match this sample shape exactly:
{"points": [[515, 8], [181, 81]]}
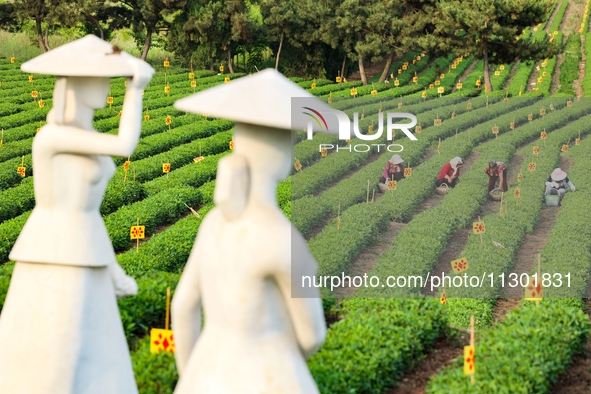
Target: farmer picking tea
{"points": [[450, 173], [558, 183], [393, 170], [496, 170]]}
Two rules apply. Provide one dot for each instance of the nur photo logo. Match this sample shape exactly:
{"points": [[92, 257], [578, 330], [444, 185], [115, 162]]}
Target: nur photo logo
{"points": [[332, 120]]}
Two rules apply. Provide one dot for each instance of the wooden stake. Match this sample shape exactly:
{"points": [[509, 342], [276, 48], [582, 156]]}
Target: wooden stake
{"points": [[469, 136], [167, 308], [539, 273], [473, 346], [137, 241], [456, 133], [339, 218], [367, 199], [373, 195]]}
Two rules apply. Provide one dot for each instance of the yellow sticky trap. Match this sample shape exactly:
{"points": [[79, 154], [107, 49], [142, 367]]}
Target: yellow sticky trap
{"points": [[533, 291], [469, 360], [166, 168], [459, 265], [517, 193], [392, 185], [137, 232], [161, 341], [478, 228], [407, 172]]}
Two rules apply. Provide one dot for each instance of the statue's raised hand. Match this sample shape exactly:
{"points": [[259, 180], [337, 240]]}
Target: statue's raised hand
{"points": [[142, 73]]}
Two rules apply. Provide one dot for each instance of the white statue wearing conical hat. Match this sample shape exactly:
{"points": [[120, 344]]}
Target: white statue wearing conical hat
{"points": [[60, 329], [256, 336]]}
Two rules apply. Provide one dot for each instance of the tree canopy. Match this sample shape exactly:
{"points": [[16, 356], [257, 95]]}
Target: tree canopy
{"points": [[304, 37]]}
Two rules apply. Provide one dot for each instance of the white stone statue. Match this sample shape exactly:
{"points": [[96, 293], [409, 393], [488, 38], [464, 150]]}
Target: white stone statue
{"points": [[256, 337], [60, 329]]}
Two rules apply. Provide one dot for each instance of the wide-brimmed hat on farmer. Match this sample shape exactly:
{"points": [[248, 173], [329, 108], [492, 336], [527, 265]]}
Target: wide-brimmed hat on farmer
{"points": [[396, 159], [558, 175]]}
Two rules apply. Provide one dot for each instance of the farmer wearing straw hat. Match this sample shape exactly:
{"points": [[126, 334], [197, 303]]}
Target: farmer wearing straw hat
{"points": [[558, 183], [393, 170], [60, 328], [496, 170], [450, 173]]}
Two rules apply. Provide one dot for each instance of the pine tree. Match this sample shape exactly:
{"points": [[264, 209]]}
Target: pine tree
{"points": [[208, 29], [491, 29], [149, 16]]}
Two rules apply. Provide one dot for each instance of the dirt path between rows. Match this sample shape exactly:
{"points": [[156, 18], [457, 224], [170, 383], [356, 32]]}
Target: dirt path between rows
{"points": [[578, 83], [465, 74], [527, 254], [443, 352], [511, 74], [531, 83]]}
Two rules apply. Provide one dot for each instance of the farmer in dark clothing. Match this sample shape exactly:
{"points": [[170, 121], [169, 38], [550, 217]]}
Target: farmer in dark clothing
{"points": [[496, 170]]}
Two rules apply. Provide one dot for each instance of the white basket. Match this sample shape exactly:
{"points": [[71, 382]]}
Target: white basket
{"points": [[552, 200]]}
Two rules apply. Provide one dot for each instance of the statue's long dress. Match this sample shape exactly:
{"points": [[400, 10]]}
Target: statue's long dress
{"points": [[248, 344], [60, 329]]}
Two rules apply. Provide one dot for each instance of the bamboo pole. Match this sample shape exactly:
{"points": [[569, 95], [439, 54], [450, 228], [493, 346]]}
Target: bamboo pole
{"points": [[472, 379], [167, 319]]}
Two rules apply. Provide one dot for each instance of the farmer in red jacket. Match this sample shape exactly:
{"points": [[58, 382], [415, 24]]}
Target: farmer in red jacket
{"points": [[450, 172]]}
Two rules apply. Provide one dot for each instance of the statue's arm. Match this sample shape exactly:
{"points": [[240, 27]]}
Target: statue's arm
{"points": [[71, 139], [186, 311], [306, 314]]}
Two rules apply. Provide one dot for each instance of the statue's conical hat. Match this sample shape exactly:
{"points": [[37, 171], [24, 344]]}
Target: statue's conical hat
{"points": [[265, 99], [87, 57]]}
